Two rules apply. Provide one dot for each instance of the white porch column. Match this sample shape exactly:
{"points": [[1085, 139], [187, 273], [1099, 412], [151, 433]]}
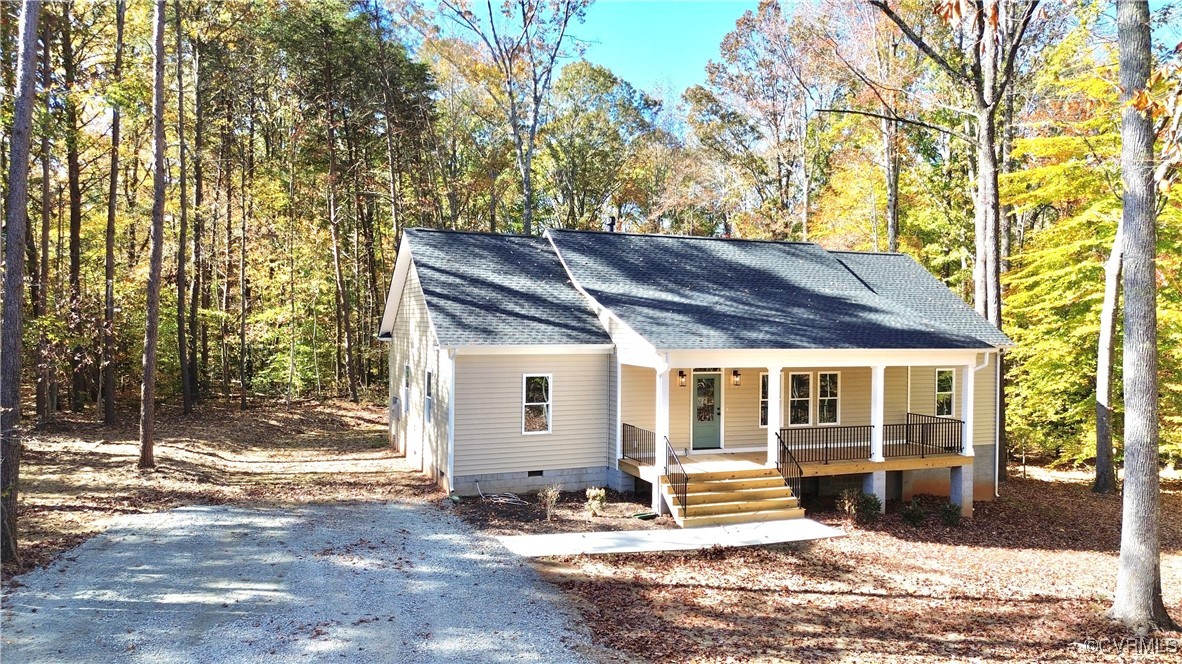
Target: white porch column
{"points": [[661, 429], [877, 409], [775, 410], [968, 382]]}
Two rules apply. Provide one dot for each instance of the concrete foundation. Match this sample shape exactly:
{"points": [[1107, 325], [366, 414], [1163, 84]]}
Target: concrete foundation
{"points": [[961, 483], [875, 483], [571, 479]]}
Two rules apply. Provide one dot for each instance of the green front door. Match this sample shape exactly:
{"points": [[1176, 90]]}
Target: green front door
{"points": [[707, 429]]}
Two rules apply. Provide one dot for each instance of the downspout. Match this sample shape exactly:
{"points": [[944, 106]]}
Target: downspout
{"points": [[997, 425], [977, 368], [451, 420]]}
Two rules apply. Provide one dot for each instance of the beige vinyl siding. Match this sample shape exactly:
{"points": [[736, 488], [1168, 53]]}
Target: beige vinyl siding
{"points": [[984, 403], [613, 404], [413, 341], [895, 395], [488, 436], [923, 390], [740, 410], [923, 397], [679, 409], [638, 398]]}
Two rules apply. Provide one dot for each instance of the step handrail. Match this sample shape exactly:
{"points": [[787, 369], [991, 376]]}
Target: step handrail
{"points": [[789, 469], [677, 477]]}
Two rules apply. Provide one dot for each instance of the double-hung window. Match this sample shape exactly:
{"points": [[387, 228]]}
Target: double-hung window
{"points": [[763, 399], [945, 388], [535, 403], [800, 399], [827, 397]]}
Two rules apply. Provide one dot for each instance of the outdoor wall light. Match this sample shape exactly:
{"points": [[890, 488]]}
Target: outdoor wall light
{"points": [[681, 379], [736, 378]]}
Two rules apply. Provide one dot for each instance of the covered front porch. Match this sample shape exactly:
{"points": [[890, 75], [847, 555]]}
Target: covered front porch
{"points": [[735, 428]]}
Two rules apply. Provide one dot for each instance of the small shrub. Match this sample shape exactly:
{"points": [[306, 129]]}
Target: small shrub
{"points": [[596, 497], [912, 513], [950, 514], [863, 507], [548, 497]]}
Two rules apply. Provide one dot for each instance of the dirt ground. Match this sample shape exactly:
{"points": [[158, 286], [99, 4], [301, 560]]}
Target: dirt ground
{"points": [[1027, 579], [78, 473], [570, 515]]}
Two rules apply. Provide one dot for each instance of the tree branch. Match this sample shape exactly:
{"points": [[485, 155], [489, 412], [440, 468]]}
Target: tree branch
{"points": [[1008, 69], [916, 123], [923, 46]]}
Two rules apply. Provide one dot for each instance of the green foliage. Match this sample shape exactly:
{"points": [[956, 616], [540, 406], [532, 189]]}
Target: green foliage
{"points": [[912, 513], [860, 506], [950, 514]]}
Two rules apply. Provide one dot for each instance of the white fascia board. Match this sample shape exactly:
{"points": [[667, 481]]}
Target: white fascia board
{"points": [[645, 355], [538, 349], [840, 357], [402, 267]]}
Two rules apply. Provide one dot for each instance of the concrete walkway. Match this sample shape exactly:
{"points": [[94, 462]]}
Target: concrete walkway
{"points": [[682, 539]]}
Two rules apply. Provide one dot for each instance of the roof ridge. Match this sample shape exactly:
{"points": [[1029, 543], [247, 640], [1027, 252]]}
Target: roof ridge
{"points": [[677, 236], [448, 231], [867, 253]]}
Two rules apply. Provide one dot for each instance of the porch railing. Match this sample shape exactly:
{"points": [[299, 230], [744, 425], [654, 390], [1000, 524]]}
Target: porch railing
{"points": [[825, 444], [638, 444], [678, 478], [920, 436], [923, 436], [789, 468]]}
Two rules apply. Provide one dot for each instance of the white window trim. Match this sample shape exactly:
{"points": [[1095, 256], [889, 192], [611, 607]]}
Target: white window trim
{"points": [[406, 389], [428, 397], [549, 403], [788, 414], [936, 393], [818, 399], [762, 376]]}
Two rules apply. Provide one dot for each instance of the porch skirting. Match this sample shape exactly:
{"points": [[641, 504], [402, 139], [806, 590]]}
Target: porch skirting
{"points": [[571, 479]]}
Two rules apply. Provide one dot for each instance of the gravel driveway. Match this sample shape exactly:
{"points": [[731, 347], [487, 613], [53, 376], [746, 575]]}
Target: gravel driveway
{"points": [[398, 582]]}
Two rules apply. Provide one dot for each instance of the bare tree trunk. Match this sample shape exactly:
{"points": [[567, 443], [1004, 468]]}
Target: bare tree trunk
{"points": [[891, 166], [988, 213], [44, 372], [198, 298], [16, 218], [342, 297], [156, 251], [108, 361], [291, 286], [244, 210], [1105, 355], [73, 177], [1138, 601], [181, 341]]}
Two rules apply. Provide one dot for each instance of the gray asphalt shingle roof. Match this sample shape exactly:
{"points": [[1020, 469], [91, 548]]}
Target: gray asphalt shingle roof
{"points": [[900, 279], [707, 293], [505, 290]]}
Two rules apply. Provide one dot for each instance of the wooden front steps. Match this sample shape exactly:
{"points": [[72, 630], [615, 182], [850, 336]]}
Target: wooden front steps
{"points": [[733, 496]]}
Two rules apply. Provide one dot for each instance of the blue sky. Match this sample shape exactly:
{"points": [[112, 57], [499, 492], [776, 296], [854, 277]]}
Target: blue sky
{"points": [[658, 43], [655, 44]]}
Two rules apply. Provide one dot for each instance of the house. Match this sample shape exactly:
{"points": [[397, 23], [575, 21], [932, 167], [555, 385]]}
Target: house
{"points": [[728, 377]]}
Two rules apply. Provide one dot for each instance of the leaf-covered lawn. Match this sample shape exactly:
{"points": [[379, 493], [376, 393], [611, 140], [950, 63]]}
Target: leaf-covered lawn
{"points": [[79, 472], [1027, 579]]}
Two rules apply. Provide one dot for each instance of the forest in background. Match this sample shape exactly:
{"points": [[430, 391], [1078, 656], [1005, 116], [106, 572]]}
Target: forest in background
{"points": [[304, 135]]}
